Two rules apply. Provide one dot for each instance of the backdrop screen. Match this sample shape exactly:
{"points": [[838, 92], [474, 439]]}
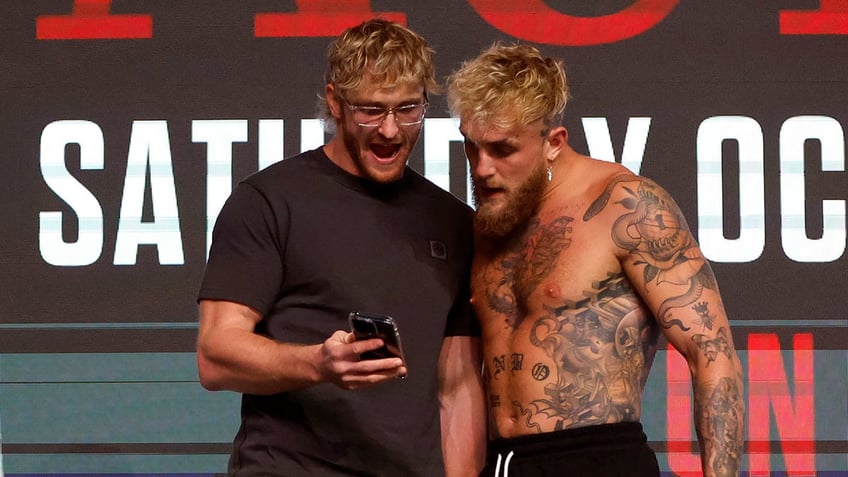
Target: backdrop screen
{"points": [[126, 123]]}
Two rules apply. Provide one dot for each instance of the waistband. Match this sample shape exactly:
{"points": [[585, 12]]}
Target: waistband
{"points": [[604, 436]]}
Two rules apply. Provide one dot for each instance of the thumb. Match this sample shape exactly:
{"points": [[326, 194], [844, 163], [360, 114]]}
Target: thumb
{"points": [[344, 336]]}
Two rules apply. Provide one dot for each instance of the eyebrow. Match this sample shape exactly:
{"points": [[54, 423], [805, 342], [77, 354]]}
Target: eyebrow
{"points": [[507, 141], [417, 100]]}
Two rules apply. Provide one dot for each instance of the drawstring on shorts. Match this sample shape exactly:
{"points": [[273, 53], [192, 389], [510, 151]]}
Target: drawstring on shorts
{"points": [[506, 464]]}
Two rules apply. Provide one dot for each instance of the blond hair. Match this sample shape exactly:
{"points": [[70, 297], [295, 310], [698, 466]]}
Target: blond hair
{"points": [[381, 52], [509, 86]]}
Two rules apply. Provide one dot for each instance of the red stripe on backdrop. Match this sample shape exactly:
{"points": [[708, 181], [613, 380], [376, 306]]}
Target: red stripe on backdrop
{"points": [[830, 19], [90, 19]]}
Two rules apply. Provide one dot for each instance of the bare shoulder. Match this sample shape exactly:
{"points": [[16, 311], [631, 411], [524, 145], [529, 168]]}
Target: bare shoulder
{"points": [[617, 189]]}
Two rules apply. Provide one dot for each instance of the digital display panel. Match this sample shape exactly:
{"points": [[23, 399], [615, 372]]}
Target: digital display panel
{"points": [[126, 124]]}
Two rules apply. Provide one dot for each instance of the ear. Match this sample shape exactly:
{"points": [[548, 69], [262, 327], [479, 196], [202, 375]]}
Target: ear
{"points": [[555, 143], [333, 103]]}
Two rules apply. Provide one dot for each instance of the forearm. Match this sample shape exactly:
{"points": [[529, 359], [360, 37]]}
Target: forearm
{"points": [[463, 433], [241, 361], [719, 421], [461, 407]]}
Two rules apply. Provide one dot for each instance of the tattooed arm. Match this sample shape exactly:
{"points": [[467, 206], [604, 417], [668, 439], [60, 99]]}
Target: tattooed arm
{"points": [[666, 266], [716, 380]]}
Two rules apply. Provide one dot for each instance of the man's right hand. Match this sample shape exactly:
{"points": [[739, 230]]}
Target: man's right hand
{"points": [[232, 356], [342, 366]]}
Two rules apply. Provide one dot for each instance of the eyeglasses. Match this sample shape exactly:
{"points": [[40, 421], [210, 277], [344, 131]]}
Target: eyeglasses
{"points": [[373, 116]]}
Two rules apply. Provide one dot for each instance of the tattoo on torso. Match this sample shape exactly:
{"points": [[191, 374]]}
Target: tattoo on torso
{"points": [[520, 270], [590, 355], [602, 348]]}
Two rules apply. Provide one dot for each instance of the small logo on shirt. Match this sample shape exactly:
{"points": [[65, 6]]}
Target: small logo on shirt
{"points": [[438, 250]]}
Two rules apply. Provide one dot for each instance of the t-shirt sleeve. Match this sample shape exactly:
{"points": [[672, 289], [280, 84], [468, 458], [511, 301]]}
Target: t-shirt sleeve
{"points": [[245, 263], [461, 320]]}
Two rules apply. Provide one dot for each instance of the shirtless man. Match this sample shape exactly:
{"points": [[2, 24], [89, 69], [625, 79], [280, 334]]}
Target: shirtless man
{"points": [[579, 266]]}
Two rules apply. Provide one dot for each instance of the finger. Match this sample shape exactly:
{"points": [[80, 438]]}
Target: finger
{"points": [[360, 347], [353, 381], [388, 366]]}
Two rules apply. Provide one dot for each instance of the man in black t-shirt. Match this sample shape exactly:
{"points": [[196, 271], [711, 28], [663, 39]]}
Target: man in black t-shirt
{"points": [[348, 227]]}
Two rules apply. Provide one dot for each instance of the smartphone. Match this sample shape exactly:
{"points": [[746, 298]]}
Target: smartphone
{"points": [[366, 326]]}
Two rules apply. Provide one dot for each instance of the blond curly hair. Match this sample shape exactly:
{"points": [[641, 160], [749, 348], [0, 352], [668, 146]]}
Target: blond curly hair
{"points": [[508, 86], [383, 53]]}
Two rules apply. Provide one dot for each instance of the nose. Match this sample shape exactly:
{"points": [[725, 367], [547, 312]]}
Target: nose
{"points": [[482, 166], [389, 127]]}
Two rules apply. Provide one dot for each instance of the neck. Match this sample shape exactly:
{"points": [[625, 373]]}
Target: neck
{"points": [[335, 150], [559, 174]]}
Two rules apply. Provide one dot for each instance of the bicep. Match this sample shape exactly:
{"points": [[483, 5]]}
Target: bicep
{"points": [[223, 325], [683, 296], [221, 315], [694, 320], [245, 262], [662, 259]]}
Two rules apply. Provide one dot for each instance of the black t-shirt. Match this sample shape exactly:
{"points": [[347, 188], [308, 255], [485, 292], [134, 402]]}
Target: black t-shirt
{"points": [[305, 243]]}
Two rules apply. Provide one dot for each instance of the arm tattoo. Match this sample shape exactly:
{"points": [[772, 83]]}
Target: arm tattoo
{"points": [[601, 202], [712, 347], [655, 233], [703, 311], [718, 414]]}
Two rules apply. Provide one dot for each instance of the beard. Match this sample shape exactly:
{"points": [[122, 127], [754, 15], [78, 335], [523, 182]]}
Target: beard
{"points": [[520, 205], [354, 143]]}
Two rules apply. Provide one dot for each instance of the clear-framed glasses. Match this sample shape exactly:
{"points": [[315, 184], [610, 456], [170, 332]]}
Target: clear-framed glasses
{"points": [[373, 116]]}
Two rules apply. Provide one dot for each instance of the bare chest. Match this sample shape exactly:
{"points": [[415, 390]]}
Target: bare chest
{"points": [[551, 265]]}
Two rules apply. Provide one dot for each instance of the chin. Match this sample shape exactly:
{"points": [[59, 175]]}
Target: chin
{"points": [[494, 225], [490, 208], [383, 175]]}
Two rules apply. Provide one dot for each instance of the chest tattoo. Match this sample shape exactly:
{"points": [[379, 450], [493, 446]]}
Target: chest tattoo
{"points": [[524, 265]]}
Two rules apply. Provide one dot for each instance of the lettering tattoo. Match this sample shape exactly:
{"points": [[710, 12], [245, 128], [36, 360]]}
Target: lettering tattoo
{"points": [[541, 372], [655, 232], [602, 347], [517, 362], [526, 263], [719, 434], [494, 400], [499, 364]]}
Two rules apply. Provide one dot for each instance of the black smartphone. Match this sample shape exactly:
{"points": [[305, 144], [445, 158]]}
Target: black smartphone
{"points": [[366, 326]]}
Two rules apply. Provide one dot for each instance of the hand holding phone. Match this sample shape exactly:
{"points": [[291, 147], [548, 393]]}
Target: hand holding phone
{"points": [[366, 326]]}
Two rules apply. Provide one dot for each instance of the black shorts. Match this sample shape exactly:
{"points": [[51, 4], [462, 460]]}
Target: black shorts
{"points": [[608, 450]]}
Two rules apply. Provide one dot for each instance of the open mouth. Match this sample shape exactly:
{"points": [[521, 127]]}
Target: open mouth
{"points": [[385, 152], [485, 194]]}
